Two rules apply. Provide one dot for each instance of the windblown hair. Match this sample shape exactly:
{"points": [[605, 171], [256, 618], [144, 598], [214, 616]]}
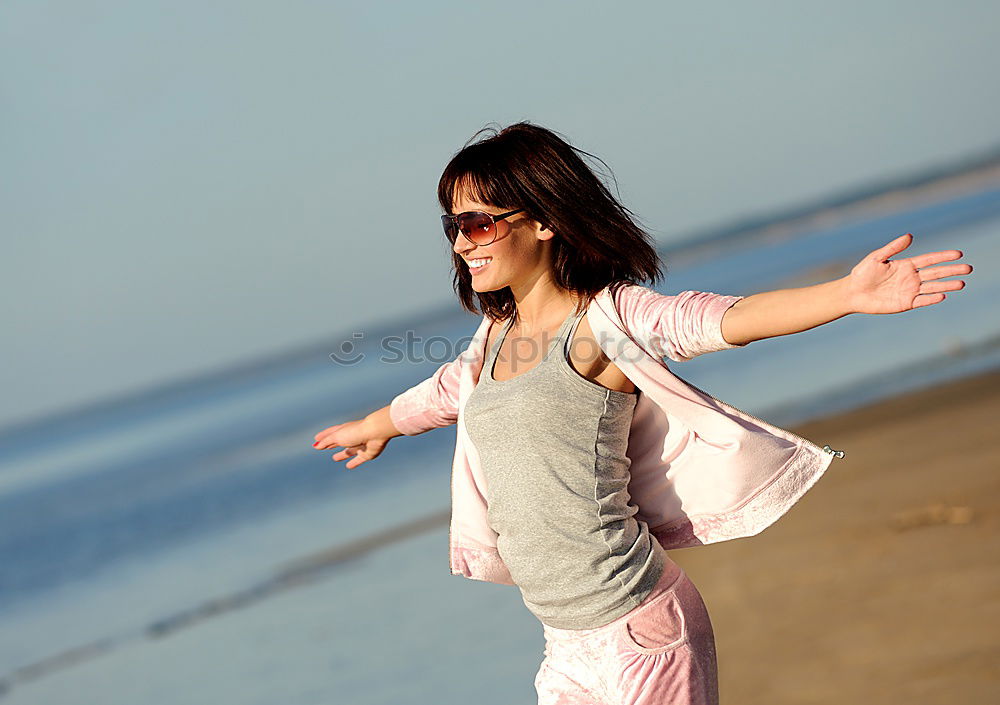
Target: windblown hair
{"points": [[596, 241]]}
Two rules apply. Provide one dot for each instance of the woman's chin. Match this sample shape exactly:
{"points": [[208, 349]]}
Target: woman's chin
{"points": [[481, 285]]}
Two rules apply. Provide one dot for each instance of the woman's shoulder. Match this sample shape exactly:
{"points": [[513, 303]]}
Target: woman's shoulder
{"points": [[628, 290], [633, 289], [628, 298]]}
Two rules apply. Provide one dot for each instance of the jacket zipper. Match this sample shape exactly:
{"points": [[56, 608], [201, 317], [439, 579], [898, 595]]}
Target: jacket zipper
{"points": [[825, 449]]}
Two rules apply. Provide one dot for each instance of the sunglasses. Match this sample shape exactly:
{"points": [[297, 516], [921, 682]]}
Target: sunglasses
{"points": [[478, 228]]}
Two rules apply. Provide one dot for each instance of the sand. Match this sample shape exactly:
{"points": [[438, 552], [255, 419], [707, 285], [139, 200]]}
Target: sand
{"points": [[882, 584]]}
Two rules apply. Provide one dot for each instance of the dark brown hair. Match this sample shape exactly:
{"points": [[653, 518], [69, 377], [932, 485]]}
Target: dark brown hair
{"points": [[596, 243]]}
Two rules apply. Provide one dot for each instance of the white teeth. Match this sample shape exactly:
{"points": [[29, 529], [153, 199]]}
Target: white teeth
{"points": [[479, 262]]}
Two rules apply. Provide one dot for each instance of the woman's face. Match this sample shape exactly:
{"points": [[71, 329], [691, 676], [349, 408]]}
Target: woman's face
{"points": [[520, 253]]}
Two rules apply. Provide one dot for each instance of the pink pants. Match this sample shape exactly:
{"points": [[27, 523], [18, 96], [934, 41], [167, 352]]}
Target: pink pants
{"points": [[660, 653]]}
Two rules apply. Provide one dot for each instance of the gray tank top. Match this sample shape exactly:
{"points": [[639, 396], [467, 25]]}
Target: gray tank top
{"points": [[552, 445]]}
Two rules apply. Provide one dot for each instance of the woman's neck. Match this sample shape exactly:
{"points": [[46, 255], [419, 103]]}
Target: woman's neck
{"points": [[539, 310]]}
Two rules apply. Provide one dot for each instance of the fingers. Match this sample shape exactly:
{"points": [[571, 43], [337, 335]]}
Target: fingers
{"points": [[360, 456], [348, 431], [323, 432], [356, 447], [930, 258], [927, 300], [892, 247], [945, 270], [931, 287], [358, 460], [326, 442], [323, 437]]}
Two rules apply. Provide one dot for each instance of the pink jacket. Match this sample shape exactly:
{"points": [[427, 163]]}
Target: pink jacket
{"points": [[702, 471]]}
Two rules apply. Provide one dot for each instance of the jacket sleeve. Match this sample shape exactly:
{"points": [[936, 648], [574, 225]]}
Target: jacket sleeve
{"points": [[432, 403], [680, 326]]}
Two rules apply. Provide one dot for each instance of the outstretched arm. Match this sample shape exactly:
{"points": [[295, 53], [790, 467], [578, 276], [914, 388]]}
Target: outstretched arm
{"points": [[430, 404], [678, 326], [875, 285]]}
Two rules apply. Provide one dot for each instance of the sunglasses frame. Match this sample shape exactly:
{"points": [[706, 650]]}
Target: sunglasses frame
{"points": [[452, 220]]}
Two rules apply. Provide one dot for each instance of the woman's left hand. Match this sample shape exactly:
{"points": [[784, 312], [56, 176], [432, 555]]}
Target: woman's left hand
{"points": [[880, 285]]}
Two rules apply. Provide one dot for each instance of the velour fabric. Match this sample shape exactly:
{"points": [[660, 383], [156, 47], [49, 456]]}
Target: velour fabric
{"points": [[661, 652]]}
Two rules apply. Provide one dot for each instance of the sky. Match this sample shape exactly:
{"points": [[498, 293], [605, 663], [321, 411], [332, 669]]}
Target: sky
{"points": [[188, 186]]}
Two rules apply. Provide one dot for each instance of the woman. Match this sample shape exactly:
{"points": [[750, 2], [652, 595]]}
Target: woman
{"points": [[580, 458]]}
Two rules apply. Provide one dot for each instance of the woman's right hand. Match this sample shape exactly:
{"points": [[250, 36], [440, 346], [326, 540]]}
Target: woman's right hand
{"points": [[357, 439], [360, 439]]}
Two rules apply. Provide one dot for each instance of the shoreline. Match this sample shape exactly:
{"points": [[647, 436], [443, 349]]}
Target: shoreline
{"points": [[878, 584]]}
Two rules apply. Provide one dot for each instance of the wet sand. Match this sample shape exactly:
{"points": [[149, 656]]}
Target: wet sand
{"points": [[882, 585]]}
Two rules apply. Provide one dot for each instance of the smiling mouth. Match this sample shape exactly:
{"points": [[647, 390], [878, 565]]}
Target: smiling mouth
{"points": [[479, 264]]}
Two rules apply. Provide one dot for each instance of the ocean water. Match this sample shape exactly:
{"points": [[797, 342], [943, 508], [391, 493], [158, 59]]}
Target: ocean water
{"points": [[190, 545]]}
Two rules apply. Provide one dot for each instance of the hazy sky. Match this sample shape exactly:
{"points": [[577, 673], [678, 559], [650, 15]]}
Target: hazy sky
{"points": [[184, 185]]}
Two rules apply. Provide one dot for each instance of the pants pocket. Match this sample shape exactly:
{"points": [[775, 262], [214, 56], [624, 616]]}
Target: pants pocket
{"points": [[655, 627]]}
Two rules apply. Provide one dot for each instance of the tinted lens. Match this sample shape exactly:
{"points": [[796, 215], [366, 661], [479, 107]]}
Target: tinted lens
{"points": [[450, 230], [478, 227]]}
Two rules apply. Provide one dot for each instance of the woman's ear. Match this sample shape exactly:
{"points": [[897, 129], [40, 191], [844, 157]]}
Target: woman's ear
{"points": [[542, 231]]}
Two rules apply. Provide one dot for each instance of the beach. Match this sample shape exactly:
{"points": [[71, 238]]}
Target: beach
{"points": [[882, 584], [879, 586]]}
